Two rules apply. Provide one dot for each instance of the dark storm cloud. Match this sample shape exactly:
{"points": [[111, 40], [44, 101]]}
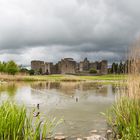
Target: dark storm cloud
{"points": [[52, 29]]}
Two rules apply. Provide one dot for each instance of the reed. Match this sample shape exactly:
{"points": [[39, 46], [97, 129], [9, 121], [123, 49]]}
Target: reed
{"points": [[15, 124], [124, 116]]}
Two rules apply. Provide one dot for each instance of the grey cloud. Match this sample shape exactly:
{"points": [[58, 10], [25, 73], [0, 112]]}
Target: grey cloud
{"points": [[63, 28]]}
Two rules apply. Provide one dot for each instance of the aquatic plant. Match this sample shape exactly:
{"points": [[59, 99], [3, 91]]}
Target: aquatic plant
{"points": [[17, 124], [124, 116], [124, 119]]}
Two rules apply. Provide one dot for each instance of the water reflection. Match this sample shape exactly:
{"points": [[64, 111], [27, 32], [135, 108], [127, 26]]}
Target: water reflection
{"points": [[80, 103], [10, 89], [69, 88]]}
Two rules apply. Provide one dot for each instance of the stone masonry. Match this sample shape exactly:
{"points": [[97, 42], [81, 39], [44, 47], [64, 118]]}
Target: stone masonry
{"points": [[69, 66]]}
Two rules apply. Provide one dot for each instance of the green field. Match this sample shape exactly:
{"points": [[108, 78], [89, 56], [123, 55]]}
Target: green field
{"points": [[62, 78]]}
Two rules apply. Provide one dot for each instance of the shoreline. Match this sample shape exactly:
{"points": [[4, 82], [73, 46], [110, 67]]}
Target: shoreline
{"points": [[62, 78]]}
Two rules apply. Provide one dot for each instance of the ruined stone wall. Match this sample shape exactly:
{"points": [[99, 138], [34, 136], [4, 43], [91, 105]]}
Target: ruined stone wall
{"points": [[93, 65], [57, 68], [104, 67], [37, 65], [42, 69], [68, 66], [84, 65], [50, 68], [81, 65], [101, 67], [54, 69]]}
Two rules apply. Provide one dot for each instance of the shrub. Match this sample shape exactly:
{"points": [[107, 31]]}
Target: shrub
{"points": [[11, 67], [92, 71], [31, 72]]}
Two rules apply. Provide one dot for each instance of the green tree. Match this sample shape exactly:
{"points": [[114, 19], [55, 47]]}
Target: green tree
{"points": [[24, 70], [40, 71], [12, 68], [113, 68], [121, 68], [31, 72], [3, 66], [93, 71]]}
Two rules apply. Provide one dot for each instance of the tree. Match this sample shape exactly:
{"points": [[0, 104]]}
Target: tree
{"points": [[1, 67], [92, 71], [12, 68], [31, 72], [121, 68], [40, 71], [24, 70], [113, 68]]}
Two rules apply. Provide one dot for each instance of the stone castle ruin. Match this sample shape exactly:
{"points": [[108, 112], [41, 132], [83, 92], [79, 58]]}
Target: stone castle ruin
{"points": [[69, 66]]}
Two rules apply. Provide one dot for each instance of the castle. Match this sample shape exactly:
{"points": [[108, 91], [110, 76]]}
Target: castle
{"points": [[69, 66]]}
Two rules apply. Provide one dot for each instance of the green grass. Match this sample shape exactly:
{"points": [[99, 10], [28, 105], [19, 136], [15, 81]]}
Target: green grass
{"points": [[15, 124], [73, 78], [104, 77], [124, 118]]}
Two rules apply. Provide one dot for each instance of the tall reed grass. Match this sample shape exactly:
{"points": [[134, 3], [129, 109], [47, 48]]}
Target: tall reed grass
{"points": [[124, 116], [17, 124]]}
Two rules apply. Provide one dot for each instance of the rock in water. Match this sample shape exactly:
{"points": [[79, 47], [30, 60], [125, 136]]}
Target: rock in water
{"points": [[59, 138], [94, 132], [109, 132], [79, 139], [95, 137]]}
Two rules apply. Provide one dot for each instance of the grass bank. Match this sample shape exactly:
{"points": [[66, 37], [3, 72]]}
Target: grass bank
{"points": [[124, 116], [17, 125], [124, 119], [61, 78]]}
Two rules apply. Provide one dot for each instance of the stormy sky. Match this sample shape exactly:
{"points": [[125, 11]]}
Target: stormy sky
{"points": [[53, 29]]}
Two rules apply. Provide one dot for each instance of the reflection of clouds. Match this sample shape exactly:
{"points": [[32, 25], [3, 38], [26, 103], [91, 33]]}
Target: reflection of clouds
{"points": [[10, 89], [99, 99], [63, 94], [24, 95], [60, 100], [70, 88], [51, 98]]}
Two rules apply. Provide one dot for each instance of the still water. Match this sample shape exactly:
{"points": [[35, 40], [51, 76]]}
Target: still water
{"points": [[79, 103]]}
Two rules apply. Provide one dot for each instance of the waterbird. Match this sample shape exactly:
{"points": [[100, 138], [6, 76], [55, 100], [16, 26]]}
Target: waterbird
{"points": [[36, 114], [37, 106]]}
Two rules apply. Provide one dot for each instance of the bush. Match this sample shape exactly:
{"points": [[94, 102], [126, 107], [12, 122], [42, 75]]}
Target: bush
{"points": [[92, 71], [31, 72], [24, 70], [12, 68]]}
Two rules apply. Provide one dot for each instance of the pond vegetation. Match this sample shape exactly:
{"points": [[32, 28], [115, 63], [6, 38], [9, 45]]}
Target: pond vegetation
{"points": [[124, 116], [17, 124]]}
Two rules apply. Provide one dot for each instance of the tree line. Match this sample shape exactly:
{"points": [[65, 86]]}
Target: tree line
{"points": [[9, 67], [119, 68], [12, 68]]}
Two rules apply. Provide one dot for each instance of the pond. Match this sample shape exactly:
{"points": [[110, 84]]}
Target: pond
{"points": [[79, 103]]}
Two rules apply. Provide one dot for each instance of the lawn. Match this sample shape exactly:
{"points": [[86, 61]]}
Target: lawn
{"points": [[59, 77]]}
